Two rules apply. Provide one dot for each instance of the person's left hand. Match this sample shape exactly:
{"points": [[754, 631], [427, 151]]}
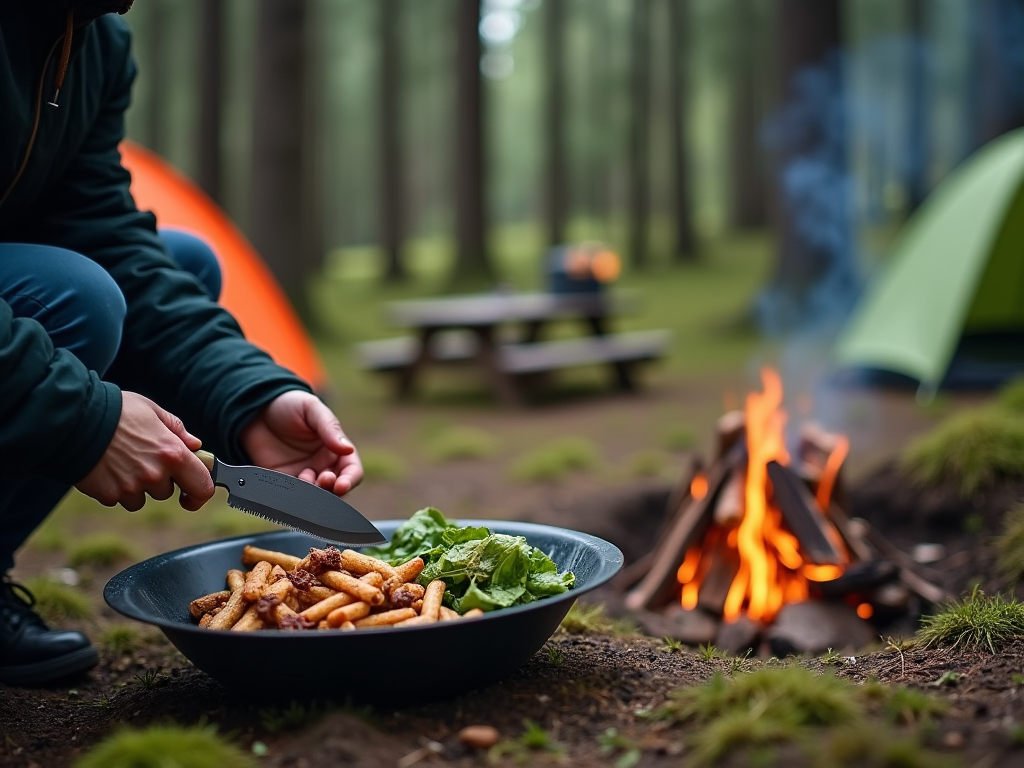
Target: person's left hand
{"points": [[298, 435]]}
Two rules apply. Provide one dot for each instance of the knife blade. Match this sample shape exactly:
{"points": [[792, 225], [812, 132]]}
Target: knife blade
{"points": [[292, 502]]}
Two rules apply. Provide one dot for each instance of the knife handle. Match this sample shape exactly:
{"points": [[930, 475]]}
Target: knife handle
{"points": [[207, 458]]}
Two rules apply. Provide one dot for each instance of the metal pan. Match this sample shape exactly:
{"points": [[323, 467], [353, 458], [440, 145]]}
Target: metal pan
{"points": [[365, 665]]}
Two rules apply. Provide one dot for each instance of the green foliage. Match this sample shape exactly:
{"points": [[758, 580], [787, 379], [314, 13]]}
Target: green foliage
{"points": [[971, 450], [671, 645], [120, 639], [555, 655], [461, 443], [648, 463], [976, 622], [1011, 396], [166, 746], [556, 459], [383, 466], [680, 439], [1010, 545], [57, 602], [592, 619], [708, 652], [901, 705], [865, 746], [100, 549], [612, 742]]}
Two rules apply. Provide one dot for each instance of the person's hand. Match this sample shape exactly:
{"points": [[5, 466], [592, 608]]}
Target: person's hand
{"points": [[150, 453], [298, 435]]}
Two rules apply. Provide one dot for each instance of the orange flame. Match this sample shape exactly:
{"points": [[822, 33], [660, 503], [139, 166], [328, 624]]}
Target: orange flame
{"points": [[772, 570]]}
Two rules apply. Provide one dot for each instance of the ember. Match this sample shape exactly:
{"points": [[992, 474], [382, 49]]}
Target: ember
{"points": [[761, 530]]}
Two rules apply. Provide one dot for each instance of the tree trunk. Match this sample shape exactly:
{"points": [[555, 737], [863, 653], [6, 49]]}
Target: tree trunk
{"points": [[814, 216], [554, 40], [279, 195], [471, 258], [917, 146], [679, 55], [639, 201], [211, 96], [748, 182], [392, 190]]}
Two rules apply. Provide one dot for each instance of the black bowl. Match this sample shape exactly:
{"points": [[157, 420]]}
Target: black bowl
{"points": [[365, 665]]}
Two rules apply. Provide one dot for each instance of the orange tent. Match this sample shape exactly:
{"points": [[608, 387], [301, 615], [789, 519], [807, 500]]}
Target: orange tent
{"points": [[250, 291]]}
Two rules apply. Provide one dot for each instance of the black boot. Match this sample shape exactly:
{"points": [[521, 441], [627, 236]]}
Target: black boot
{"points": [[30, 652]]}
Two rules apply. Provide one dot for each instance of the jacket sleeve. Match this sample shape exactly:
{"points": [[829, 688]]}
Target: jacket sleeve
{"points": [[183, 349], [57, 416]]}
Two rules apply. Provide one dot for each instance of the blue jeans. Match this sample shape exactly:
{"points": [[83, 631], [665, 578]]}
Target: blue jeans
{"points": [[83, 311]]}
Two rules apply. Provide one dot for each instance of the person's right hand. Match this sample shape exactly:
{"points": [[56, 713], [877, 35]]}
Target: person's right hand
{"points": [[150, 453]]}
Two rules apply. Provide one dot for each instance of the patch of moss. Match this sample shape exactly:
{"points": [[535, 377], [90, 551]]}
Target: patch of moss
{"points": [[120, 639], [976, 622], [166, 746], [57, 602], [646, 464], [971, 450], [383, 466], [100, 549], [460, 443], [593, 619], [822, 714], [555, 460], [1011, 395], [1010, 545]]}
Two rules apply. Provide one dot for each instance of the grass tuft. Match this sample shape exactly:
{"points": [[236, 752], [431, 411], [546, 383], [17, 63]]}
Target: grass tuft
{"points": [[166, 746], [972, 450], [593, 620], [57, 602], [555, 460], [1010, 545], [1011, 395], [458, 443], [121, 639], [976, 622], [101, 550]]}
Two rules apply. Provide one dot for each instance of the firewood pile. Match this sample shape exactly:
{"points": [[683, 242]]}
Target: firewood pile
{"points": [[758, 553]]}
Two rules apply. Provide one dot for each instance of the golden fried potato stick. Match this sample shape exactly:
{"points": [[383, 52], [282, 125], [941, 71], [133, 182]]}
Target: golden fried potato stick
{"points": [[320, 610], [348, 626], [386, 619], [353, 586], [251, 620], [358, 563], [206, 603], [205, 621], [413, 622], [231, 612], [447, 614], [472, 612], [256, 582], [273, 611], [374, 579], [252, 555], [315, 595], [351, 612], [431, 609], [235, 579], [277, 574]]}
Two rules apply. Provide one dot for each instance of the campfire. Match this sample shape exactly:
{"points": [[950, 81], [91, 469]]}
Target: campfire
{"points": [[759, 552]]}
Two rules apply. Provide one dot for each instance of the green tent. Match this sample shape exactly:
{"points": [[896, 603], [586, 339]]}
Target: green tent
{"points": [[957, 269]]}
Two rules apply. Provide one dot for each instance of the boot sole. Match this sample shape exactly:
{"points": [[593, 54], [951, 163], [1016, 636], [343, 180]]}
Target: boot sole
{"points": [[50, 669]]}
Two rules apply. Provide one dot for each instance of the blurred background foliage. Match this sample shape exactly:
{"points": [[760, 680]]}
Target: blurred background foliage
{"points": [[457, 139]]}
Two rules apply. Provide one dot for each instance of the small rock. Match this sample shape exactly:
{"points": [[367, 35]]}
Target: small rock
{"points": [[479, 736], [953, 740], [928, 553], [738, 637], [815, 626]]}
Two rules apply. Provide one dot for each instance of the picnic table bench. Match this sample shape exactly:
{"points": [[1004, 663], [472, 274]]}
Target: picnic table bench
{"points": [[502, 334]]}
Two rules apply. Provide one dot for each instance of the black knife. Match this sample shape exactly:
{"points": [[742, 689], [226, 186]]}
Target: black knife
{"points": [[293, 503]]}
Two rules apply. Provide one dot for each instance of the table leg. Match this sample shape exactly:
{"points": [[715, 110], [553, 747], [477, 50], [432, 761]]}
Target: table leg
{"points": [[407, 376], [623, 372], [504, 385]]}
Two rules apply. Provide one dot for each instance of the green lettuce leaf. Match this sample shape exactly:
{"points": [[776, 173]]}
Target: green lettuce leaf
{"points": [[480, 569]]}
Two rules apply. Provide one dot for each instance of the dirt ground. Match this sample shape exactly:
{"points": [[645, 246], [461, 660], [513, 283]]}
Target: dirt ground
{"points": [[579, 685]]}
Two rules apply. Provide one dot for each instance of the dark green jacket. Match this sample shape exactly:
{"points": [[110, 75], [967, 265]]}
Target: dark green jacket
{"points": [[179, 348]]}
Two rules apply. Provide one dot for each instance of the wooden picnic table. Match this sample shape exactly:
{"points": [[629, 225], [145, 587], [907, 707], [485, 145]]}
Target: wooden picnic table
{"points": [[502, 332]]}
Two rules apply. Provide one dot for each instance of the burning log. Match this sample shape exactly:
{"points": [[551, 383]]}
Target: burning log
{"points": [[798, 510]]}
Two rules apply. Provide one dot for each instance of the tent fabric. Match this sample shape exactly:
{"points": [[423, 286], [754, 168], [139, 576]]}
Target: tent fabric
{"points": [[250, 292], [957, 266]]}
